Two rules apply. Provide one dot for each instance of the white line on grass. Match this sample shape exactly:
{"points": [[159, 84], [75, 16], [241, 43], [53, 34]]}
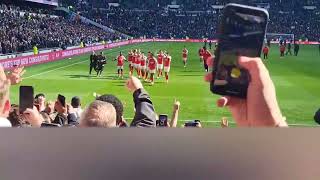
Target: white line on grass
{"points": [[45, 72], [303, 125]]}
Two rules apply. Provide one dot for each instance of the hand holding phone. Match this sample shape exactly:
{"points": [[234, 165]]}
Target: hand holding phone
{"points": [[241, 33], [26, 98]]}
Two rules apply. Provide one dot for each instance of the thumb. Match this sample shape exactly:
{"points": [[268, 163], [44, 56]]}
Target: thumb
{"points": [[254, 66]]}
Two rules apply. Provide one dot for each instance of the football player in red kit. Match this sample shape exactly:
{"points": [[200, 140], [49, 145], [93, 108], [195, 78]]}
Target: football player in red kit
{"points": [[137, 63], [152, 65], [282, 50], [160, 63], [143, 65], [120, 64], [185, 56], [201, 51], [130, 55], [206, 56], [167, 64], [265, 52]]}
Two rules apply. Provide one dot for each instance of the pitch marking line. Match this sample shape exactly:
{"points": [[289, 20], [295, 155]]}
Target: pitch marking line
{"points": [[45, 72]]}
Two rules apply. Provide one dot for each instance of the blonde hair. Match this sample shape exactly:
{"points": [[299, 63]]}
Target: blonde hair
{"points": [[99, 114], [4, 89]]}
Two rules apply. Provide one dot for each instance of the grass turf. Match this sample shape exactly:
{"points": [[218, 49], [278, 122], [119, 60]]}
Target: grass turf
{"points": [[295, 78]]}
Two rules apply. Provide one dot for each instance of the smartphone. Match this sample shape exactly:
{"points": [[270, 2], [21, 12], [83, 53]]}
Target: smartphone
{"points": [[62, 100], [26, 98], [193, 123], [242, 32], [163, 120]]}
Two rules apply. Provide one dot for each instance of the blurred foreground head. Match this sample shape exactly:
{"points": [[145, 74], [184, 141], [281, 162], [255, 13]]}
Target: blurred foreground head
{"points": [[99, 114], [4, 99]]}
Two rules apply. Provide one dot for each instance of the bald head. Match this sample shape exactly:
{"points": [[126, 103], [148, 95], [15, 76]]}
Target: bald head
{"points": [[99, 114]]}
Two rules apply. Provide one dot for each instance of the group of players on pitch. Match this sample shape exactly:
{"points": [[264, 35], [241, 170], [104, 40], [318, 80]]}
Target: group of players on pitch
{"points": [[147, 66]]}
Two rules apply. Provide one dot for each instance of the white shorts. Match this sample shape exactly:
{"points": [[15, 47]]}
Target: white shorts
{"points": [[184, 59], [160, 66], [143, 68], [152, 71], [137, 66], [167, 69], [120, 67]]}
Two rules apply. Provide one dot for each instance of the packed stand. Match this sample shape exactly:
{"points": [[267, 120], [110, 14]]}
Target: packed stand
{"points": [[20, 32], [153, 19]]}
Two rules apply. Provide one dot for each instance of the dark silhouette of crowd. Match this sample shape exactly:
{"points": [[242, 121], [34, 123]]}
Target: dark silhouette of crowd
{"points": [[154, 19], [20, 32]]}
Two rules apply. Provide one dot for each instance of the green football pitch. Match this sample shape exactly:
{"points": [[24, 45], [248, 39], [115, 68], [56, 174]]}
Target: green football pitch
{"points": [[296, 79]]}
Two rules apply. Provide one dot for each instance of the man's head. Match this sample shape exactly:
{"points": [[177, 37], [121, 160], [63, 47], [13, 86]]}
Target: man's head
{"points": [[4, 94], [40, 98], [120, 53], [75, 102], [99, 114], [204, 48], [117, 104]]}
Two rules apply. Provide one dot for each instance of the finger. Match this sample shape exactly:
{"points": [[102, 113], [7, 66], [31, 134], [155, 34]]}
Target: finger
{"points": [[22, 73], [255, 67], [208, 77], [28, 111]]}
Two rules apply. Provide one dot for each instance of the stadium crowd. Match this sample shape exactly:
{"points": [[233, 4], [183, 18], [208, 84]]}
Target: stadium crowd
{"points": [[196, 19], [20, 32], [259, 109]]}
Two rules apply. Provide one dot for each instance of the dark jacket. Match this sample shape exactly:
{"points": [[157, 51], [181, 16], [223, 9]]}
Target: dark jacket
{"points": [[62, 119], [145, 115]]}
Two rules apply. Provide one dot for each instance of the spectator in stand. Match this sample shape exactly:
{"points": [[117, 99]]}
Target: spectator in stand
{"points": [[117, 104], [76, 104], [65, 115], [145, 115], [40, 102], [99, 114], [48, 113]]}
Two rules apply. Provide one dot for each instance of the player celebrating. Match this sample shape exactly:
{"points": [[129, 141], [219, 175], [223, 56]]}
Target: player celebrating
{"points": [[201, 51], [152, 67], [265, 52], [138, 62], [160, 63], [185, 56], [120, 64], [282, 50], [206, 56], [167, 64], [143, 66], [130, 61]]}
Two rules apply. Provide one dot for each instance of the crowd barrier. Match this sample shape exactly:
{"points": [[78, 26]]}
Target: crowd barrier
{"points": [[62, 54]]}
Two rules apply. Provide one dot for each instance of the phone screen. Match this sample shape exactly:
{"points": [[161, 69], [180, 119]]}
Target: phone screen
{"points": [[26, 98], [163, 120], [242, 33], [193, 123]]}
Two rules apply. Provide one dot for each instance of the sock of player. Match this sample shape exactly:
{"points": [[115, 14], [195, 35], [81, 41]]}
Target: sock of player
{"points": [[167, 76], [118, 72]]}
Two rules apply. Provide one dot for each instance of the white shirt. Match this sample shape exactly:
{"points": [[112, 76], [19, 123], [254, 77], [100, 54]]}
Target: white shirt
{"points": [[5, 122]]}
